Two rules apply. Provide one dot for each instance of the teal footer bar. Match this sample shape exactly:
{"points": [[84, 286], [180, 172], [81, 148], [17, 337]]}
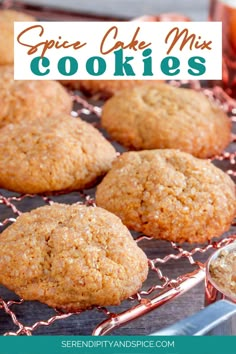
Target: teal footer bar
{"points": [[115, 344]]}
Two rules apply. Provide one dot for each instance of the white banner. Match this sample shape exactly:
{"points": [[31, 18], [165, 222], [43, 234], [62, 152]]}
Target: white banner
{"points": [[118, 50]]}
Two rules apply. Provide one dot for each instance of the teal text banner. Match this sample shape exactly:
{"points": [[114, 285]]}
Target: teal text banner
{"points": [[113, 345]]}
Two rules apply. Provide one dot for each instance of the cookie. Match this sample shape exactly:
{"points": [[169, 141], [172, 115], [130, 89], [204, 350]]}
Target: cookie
{"points": [[30, 100], [71, 257], [166, 117], [170, 195], [54, 154], [104, 87], [7, 18]]}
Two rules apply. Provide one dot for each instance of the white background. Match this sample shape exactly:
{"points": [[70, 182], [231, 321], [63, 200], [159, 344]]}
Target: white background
{"points": [[92, 33]]}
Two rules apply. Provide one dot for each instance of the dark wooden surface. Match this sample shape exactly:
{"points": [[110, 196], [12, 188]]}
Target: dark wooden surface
{"points": [[83, 324]]}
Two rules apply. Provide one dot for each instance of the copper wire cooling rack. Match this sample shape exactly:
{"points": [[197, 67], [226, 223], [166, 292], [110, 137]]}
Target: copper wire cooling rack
{"points": [[174, 269], [163, 284]]}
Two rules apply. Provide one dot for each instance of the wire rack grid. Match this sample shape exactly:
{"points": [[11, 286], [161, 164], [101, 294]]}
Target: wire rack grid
{"points": [[161, 287], [174, 269]]}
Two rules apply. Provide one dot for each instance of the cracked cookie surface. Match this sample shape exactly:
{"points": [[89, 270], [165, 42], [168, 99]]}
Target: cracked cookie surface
{"points": [[165, 117], [169, 195], [106, 87], [59, 153], [7, 18], [71, 257], [30, 100]]}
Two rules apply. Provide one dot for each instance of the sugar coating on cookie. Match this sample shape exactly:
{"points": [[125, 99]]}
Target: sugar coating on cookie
{"points": [[106, 87], [52, 154], [71, 257], [169, 195], [30, 100], [165, 117], [7, 18]]}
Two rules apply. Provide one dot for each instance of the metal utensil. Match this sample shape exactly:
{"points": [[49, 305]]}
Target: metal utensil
{"points": [[219, 315]]}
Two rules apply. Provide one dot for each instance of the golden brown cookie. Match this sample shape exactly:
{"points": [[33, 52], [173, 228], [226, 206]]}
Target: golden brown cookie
{"points": [[53, 154], [105, 87], [7, 18], [30, 100], [161, 117], [169, 195], [71, 257]]}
